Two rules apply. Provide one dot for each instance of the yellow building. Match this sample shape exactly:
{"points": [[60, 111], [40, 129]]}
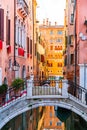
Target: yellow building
{"points": [[55, 45]]}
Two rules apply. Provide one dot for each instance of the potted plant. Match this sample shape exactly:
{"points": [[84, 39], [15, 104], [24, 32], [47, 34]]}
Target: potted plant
{"points": [[18, 83], [3, 88]]}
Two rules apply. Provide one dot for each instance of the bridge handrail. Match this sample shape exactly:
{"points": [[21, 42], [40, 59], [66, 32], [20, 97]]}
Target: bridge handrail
{"points": [[76, 85], [74, 89]]}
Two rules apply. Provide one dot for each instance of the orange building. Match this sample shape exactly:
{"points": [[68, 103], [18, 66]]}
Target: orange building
{"points": [[54, 37]]}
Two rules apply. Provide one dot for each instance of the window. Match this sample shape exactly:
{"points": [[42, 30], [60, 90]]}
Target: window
{"points": [[49, 64], [30, 46], [65, 61], [51, 47], [71, 39], [2, 24], [58, 47], [28, 68], [59, 64], [59, 123], [27, 44], [7, 31], [50, 107], [72, 18], [51, 41], [51, 32], [59, 32], [59, 40], [10, 64], [50, 123], [71, 58], [50, 114], [72, 1]]}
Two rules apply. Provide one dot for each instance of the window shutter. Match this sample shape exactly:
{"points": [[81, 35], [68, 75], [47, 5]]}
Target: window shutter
{"points": [[7, 31], [30, 46], [27, 44], [2, 24]]}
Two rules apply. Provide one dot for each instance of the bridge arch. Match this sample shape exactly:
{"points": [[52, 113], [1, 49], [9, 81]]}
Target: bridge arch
{"points": [[22, 105]]}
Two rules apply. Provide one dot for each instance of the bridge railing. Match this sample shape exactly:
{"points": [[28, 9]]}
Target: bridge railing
{"points": [[77, 91], [46, 90], [11, 95], [45, 87]]}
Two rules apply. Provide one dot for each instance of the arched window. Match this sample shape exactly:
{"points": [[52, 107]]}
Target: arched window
{"points": [[24, 72]]}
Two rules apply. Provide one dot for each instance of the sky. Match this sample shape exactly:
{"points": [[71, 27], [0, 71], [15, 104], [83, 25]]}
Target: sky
{"points": [[52, 9]]}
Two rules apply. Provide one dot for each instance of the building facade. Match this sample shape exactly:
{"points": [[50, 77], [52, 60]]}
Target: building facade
{"points": [[54, 38], [69, 54], [16, 39], [81, 33], [76, 37]]}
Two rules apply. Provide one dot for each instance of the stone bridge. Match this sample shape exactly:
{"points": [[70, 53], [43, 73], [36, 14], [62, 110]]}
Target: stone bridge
{"points": [[64, 94]]}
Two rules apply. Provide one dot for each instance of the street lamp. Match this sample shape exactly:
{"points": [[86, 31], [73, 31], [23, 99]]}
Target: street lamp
{"points": [[15, 65]]}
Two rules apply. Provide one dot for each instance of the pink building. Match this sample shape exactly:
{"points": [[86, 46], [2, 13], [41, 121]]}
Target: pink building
{"points": [[69, 69], [15, 16], [81, 32]]}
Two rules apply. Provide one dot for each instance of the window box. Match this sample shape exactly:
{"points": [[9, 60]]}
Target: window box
{"points": [[20, 51], [1, 45]]}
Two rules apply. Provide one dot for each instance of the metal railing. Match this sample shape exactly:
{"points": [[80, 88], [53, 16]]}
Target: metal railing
{"points": [[45, 87], [77, 91], [10, 95]]}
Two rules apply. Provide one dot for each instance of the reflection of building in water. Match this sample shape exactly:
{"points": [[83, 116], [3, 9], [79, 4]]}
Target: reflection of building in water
{"points": [[51, 122]]}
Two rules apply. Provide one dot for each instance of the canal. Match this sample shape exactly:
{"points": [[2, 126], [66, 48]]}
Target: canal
{"points": [[46, 118]]}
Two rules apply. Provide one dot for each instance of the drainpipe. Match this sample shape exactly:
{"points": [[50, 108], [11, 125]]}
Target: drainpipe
{"points": [[33, 31]]}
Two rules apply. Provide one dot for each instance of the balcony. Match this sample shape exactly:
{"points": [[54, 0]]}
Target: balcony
{"points": [[22, 8]]}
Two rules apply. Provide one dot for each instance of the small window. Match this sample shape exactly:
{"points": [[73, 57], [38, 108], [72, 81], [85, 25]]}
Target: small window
{"points": [[28, 68], [72, 59], [50, 114], [10, 64], [50, 123], [72, 18], [51, 32], [51, 41], [59, 32], [72, 1], [59, 40], [59, 123], [51, 47]]}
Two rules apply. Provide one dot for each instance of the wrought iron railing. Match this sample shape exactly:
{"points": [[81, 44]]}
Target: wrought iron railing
{"points": [[45, 87]]}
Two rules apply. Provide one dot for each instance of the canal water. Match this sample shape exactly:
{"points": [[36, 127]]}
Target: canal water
{"points": [[33, 120]]}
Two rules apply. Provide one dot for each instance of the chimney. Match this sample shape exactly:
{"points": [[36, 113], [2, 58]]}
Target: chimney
{"points": [[55, 23], [47, 21], [43, 21]]}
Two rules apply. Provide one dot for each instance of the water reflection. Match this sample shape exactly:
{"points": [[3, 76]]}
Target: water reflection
{"points": [[46, 118]]}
